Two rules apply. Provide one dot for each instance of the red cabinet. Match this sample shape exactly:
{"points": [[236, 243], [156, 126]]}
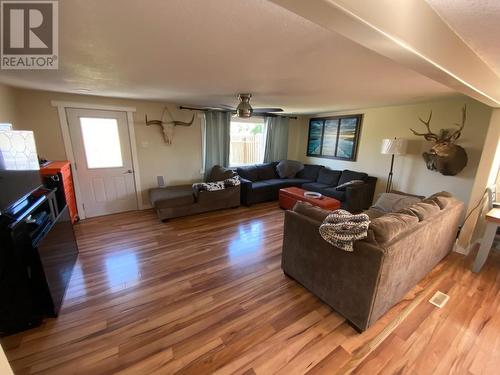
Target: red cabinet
{"points": [[63, 170]]}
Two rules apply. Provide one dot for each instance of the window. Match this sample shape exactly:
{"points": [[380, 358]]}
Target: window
{"points": [[247, 141], [334, 137], [101, 142]]}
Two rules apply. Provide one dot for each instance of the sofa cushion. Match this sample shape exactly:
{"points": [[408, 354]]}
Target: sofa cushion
{"points": [[248, 172], [348, 175], [307, 209], [328, 177], [264, 185], [219, 173], [171, 196], [391, 202], [267, 171], [310, 172], [299, 182], [407, 194], [424, 210], [289, 168], [388, 226], [314, 186], [279, 183]]}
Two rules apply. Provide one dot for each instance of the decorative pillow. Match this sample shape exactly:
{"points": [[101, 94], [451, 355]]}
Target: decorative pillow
{"points": [[209, 186], [235, 181], [248, 172], [388, 226], [346, 184], [329, 177], [373, 213], [391, 202], [289, 168], [219, 173], [313, 212], [348, 175], [424, 210]]}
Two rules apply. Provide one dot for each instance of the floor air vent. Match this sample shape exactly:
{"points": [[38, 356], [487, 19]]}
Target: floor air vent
{"points": [[439, 299]]}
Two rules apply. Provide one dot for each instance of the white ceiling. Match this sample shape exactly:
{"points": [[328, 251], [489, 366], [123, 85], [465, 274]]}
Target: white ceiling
{"points": [[203, 52], [477, 22]]}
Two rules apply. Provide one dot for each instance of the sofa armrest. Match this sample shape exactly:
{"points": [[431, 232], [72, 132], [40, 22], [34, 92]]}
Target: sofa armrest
{"points": [[346, 281], [246, 186], [358, 197]]}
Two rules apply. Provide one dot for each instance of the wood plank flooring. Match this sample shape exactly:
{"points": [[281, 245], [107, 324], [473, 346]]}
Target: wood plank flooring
{"points": [[205, 294]]}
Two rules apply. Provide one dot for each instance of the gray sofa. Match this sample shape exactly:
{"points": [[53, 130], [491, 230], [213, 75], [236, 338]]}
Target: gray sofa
{"points": [[261, 183], [183, 200], [362, 285]]}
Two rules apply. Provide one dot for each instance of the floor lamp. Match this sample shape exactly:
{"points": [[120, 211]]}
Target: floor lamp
{"points": [[394, 146]]}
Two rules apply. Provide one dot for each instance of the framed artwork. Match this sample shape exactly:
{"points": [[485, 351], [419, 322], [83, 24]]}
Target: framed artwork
{"points": [[334, 137]]}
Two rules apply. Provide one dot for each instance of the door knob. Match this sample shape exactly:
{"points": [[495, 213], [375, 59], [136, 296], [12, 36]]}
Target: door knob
{"points": [[129, 171]]}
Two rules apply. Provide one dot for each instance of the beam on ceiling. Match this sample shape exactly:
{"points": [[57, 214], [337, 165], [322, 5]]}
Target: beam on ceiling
{"points": [[409, 32]]}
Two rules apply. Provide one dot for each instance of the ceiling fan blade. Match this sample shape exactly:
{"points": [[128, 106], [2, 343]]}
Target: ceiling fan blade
{"points": [[224, 106], [266, 110]]}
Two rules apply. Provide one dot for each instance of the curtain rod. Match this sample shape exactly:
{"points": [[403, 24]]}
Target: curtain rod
{"points": [[221, 110]]}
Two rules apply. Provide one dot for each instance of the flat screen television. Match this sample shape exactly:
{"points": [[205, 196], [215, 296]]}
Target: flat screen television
{"points": [[19, 168]]}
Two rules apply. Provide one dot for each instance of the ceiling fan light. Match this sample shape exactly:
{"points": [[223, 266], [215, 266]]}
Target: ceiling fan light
{"points": [[244, 110]]}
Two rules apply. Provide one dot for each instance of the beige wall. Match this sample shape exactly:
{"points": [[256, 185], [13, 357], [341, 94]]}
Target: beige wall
{"points": [[410, 172], [178, 163], [7, 105]]}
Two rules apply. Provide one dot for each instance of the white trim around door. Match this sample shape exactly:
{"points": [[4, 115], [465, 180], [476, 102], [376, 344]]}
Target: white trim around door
{"points": [[63, 121]]}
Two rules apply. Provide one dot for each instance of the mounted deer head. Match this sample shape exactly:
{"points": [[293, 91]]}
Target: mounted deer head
{"points": [[445, 156], [168, 126]]}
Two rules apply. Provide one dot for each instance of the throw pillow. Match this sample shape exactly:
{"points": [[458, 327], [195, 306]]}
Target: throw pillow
{"points": [[289, 168], [219, 173], [391, 202], [329, 177], [349, 183], [348, 175], [310, 172]]}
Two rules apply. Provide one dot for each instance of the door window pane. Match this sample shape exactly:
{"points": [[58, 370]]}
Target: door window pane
{"points": [[315, 134], [101, 142], [330, 137]]}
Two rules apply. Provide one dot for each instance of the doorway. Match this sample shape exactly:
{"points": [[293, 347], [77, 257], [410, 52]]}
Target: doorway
{"points": [[102, 152]]}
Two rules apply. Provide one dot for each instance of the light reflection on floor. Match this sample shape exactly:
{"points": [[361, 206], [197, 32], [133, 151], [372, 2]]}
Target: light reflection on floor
{"points": [[247, 240], [122, 270]]}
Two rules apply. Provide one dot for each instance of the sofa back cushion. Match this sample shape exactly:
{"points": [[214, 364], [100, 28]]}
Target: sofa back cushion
{"points": [[310, 172], [219, 173], [388, 226], [392, 202], [248, 172], [312, 212], [348, 175], [267, 171], [289, 168], [424, 210], [329, 177]]}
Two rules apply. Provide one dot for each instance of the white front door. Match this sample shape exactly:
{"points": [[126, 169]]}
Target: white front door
{"points": [[103, 158]]}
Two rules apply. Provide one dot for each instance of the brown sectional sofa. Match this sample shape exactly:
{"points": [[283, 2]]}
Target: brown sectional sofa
{"points": [[183, 200], [401, 248]]}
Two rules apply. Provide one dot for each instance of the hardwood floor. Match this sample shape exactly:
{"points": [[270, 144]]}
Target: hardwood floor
{"points": [[205, 294]]}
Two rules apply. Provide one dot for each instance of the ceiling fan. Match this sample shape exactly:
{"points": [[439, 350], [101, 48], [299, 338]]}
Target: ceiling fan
{"points": [[244, 109]]}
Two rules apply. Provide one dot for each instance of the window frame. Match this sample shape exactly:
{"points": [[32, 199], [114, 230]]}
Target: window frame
{"points": [[359, 122]]}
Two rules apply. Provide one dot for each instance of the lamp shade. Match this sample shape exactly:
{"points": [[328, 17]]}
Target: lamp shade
{"points": [[394, 146]]}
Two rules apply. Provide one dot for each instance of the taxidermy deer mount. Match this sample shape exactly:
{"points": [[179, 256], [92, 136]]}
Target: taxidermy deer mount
{"points": [[445, 156], [168, 126]]}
